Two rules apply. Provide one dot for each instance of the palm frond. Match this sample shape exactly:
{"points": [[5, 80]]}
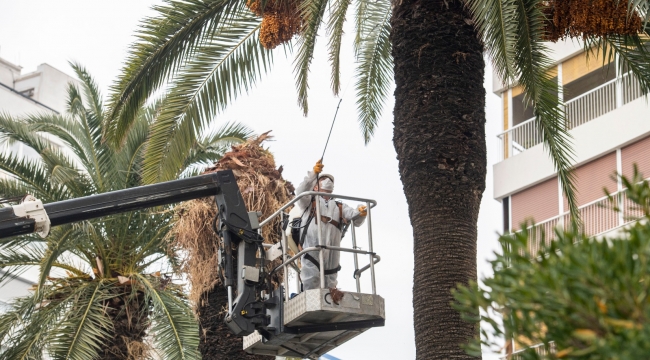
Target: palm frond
{"points": [[375, 66], [541, 90], [335, 32], [312, 11], [64, 128], [174, 325], [359, 23], [211, 147], [222, 68], [14, 317], [497, 24], [128, 161], [32, 174], [10, 188], [84, 329], [62, 171], [16, 258], [15, 130], [165, 42], [95, 106], [55, 170], [633, 52], [39, 330], [57, 244], [100, 158]]}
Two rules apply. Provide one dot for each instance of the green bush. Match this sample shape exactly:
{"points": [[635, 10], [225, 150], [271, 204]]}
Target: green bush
{"points": [[586, 297]]}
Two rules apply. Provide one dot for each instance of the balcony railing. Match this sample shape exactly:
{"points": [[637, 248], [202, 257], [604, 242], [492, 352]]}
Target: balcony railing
{"points": [[579, 110], [590, 105], [598, 217]]}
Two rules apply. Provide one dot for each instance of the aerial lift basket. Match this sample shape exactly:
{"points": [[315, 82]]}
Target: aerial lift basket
{"points": [[312, 323]]}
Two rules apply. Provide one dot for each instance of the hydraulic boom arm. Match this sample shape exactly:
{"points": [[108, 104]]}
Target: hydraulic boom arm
{"points": [[31, 216]]}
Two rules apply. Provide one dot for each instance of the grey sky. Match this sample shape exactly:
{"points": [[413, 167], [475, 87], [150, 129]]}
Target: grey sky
{"points": [[97, 34]]}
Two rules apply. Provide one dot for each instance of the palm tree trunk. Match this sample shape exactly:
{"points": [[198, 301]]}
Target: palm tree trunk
{"points": [[217, 342], [439, 137], [130, 318]]}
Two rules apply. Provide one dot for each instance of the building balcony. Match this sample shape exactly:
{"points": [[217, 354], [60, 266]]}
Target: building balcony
{"points": [[598, 219], [579, 110], [600, 121]]}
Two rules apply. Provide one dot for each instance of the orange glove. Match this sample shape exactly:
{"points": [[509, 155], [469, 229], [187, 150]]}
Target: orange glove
{"points": [[318, 168], [363, 210]]}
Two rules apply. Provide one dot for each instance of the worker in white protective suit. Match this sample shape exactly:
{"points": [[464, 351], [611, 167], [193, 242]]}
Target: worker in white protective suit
{"points": [[333, 216]]}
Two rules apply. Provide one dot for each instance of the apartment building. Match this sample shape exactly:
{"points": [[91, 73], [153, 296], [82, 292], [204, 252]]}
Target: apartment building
{"points": [[608, 118]]}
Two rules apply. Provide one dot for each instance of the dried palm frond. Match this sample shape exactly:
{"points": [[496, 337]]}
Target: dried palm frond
{"points": [[263, 189]]}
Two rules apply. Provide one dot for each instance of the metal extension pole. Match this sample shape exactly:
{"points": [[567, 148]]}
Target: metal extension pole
{"points": [[356, 256], [370, 248], [321, 256]]}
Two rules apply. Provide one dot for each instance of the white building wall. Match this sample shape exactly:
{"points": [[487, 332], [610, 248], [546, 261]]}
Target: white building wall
{"points": [[8, 72], [49, 89]]}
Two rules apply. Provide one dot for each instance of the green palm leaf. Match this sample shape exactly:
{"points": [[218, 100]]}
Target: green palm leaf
{"points": [[32, 175], [375, 66], [213, 145], [13, 319], [83, 329], [633, 52], [174, 326], [542, 91], [164, 44], [335, 32], [513, 31], [312, 11], [230, 62]]}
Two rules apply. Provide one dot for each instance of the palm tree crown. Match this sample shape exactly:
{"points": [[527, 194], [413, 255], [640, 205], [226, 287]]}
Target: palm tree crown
{"points": [[98, 294]]}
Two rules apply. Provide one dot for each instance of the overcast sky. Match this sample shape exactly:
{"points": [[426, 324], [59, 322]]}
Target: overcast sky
{"points": [[97, 34]]}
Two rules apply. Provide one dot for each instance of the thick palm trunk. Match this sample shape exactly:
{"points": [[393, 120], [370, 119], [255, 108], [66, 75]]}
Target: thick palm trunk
{"points": [[130, 318], [440, 142], [217, 342]]}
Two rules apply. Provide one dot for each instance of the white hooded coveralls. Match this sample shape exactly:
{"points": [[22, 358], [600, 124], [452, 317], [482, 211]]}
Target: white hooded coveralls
{"points": [[309, 273]]}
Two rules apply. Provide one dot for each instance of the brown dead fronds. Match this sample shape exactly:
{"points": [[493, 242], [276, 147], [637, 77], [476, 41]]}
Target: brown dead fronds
{"points": [[263, 189]]}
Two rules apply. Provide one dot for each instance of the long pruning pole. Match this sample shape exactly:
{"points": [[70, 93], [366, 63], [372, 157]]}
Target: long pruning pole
{"points": [[327, 142], [332, 127]]}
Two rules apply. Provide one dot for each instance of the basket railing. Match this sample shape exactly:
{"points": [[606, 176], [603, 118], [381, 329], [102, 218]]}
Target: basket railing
{"points": [[290, 261]]}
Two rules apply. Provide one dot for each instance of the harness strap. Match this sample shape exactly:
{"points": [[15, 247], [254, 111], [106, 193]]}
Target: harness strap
{"points": [[327, 219], [315, 262]]}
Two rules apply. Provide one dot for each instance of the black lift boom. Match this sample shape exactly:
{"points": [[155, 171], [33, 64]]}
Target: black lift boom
{"points": [[235, 229]]}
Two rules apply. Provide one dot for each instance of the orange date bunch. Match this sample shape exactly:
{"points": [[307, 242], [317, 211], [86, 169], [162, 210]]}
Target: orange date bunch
{"points": [[280, 20], [583, 18]]}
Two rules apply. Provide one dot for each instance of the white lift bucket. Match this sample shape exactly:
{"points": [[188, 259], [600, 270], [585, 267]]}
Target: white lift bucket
{"points": [[312, 323]]}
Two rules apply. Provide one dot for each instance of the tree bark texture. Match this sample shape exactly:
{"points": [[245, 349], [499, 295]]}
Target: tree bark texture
{"points": [[439, 137], [217, 342], [129, 315]]}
